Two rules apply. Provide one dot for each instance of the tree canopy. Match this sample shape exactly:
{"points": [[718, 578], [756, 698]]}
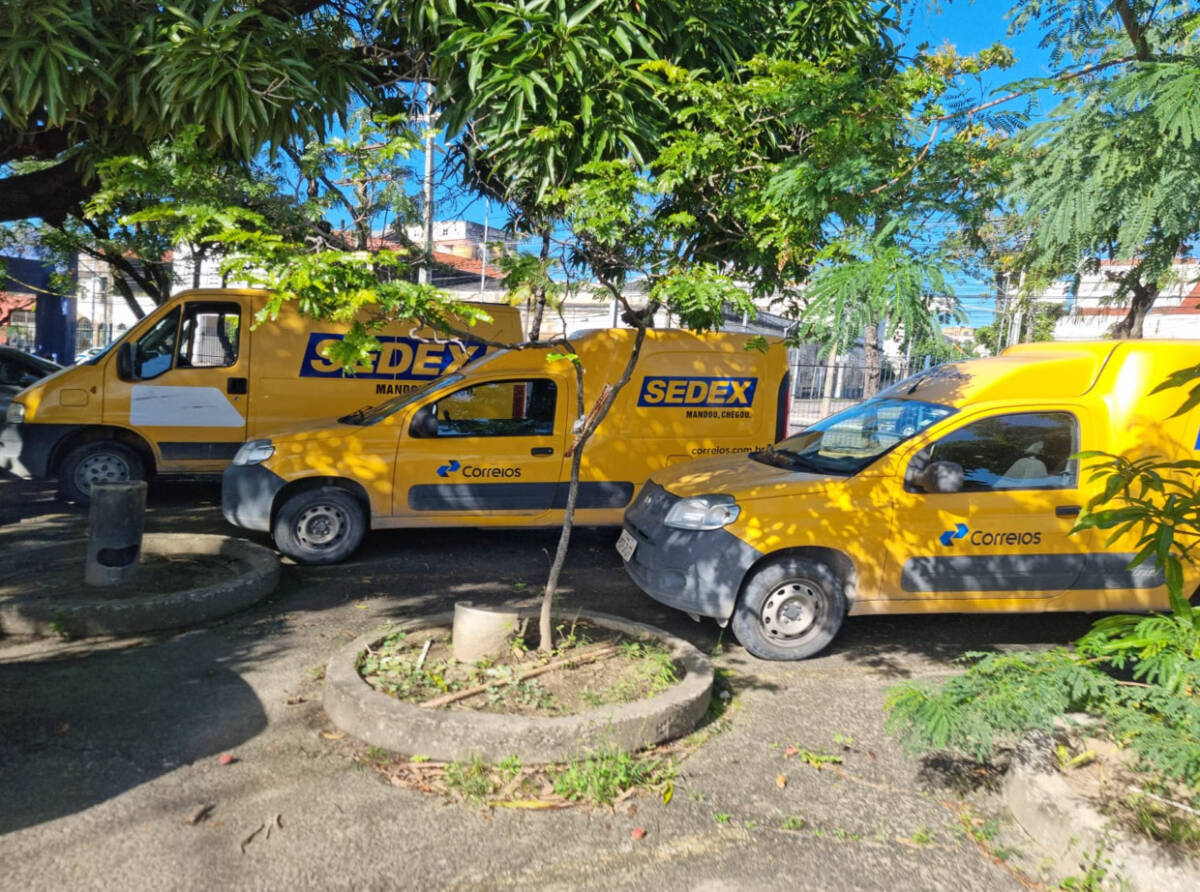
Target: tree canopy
{"points": [[86, 80]]}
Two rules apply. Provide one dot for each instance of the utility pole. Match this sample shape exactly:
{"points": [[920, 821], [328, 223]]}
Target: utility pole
{"points": [[426, 271], [483, 267]]}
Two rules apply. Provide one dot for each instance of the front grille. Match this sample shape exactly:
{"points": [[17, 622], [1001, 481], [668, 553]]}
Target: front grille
{"points": [[648, 510]]}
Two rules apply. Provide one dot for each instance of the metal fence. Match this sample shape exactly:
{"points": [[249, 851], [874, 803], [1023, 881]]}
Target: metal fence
{"points": [[819, 390]]}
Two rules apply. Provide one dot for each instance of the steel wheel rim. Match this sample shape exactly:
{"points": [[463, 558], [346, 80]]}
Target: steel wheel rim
{"points": [[792, 611], [100, 467], [321, 527]]}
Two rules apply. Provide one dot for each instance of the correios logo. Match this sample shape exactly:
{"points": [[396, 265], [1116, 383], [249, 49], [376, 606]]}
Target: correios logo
{"points": [[476, 472], [988, 538], [949, 536]]}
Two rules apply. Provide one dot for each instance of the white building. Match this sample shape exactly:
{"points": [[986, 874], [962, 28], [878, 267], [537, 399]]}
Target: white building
{"points": [[1175, 314]]}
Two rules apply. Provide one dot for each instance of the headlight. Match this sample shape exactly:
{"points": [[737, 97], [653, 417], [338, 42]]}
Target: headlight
{"points": [[703, 513], [254, 452], [15, 413]]}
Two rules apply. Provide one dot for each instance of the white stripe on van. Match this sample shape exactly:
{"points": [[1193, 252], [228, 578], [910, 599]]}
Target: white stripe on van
{"points": [[156, 406]]}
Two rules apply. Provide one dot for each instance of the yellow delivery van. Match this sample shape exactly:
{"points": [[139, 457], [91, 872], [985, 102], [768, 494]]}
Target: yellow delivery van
{"points": [[952, 491], [184, 388], [489, 445]]}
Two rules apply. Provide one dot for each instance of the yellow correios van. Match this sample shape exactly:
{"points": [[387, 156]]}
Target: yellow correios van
{"points": [[489, 445], [184, 388], [952, 491]]}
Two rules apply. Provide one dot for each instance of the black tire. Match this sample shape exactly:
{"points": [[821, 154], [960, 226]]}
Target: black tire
{"points": [[790, 609], [320, 526], [100, 461]]}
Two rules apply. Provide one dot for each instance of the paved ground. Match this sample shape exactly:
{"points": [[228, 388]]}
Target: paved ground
{"points": [[108, 747]]}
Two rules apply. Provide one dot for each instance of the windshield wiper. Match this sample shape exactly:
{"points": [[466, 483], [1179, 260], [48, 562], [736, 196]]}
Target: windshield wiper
{"points": [[358, 416], [787, 458]]}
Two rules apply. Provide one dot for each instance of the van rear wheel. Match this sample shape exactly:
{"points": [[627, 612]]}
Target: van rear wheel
{"points": [[101, 461], [790, 609], [320, 526]]}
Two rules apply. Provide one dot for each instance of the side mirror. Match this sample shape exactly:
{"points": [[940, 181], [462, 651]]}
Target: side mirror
{"points": [[125, 362], [424, 424], [941, 476]]}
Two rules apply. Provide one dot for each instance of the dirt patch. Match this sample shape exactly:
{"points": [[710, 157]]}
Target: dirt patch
{"points": [[592, 667], [61, 577], [1105, 775]]}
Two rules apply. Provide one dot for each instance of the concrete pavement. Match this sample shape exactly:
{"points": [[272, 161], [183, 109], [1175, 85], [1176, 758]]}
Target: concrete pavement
{"points": [[108, 747]]}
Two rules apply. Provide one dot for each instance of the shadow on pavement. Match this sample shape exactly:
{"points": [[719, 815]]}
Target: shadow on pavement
{"points": [[77, 731]]}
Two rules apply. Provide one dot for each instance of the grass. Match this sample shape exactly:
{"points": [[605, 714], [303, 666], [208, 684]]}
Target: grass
{"points": [[602, 778]]}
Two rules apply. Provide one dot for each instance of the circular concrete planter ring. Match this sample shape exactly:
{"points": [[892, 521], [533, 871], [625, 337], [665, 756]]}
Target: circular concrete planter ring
{"points": [[449, 735], [257, 576]]}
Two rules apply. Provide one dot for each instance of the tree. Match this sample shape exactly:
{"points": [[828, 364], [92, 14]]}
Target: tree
{"points": [[1113, 174], [86, 80]]}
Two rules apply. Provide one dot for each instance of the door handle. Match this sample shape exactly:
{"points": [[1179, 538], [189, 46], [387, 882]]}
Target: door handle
{"points": [[542, 450], [1066, 510], [235, 385]]}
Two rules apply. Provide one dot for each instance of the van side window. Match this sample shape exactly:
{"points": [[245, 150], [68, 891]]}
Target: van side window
{"points": [[209, 335], [499, 409], [156, 347], [1027, 450]]}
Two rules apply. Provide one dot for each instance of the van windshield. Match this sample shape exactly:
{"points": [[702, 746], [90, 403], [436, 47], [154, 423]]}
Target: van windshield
{"points": [[845, 443], [373, 414]]}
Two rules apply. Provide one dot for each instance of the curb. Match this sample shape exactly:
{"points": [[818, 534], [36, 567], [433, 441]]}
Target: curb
{"points": [[1072, 831], [451, 735], [133, 616]]}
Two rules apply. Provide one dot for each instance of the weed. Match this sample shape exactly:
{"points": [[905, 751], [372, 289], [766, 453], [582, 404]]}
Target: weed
{"points": [[792, 822], [815, 758], [1166, 821], [317, 673], [750, 825], [591, 698], [58, 625], [843, 740], [722, 817], [922, 837], [509, 767], [375, 754], [1095, 872], [471, 779], [603, 776]]}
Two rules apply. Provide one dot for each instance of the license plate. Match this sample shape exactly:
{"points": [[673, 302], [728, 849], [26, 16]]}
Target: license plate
{"points": [[626, 545]]}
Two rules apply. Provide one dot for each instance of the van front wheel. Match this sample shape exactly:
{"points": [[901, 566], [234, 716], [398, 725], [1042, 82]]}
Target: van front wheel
{"points": [[101, 461], [790, 609], [320, 526]]}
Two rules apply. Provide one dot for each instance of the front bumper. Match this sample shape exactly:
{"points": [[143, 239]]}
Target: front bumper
{"points": [[697, 571], [26, 448], [247, 494]]}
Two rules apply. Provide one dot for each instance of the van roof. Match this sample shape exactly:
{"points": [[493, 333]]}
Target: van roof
{"points": [[1054, 370]]}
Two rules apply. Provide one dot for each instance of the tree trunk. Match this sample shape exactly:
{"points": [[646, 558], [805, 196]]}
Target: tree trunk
{"points": [[874, 359], [1130, 327], [545, 618], [538, 310]]}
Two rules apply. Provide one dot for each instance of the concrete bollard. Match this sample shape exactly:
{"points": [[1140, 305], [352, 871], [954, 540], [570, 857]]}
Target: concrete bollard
{"points": [[482, 631], [115, 522]]}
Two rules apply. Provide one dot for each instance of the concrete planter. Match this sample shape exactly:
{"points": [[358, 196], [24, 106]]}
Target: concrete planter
{"points": [[257, 575], [448, 735]]}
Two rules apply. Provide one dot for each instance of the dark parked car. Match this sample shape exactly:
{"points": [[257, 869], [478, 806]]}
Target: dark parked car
{"points": [[18, 370]]}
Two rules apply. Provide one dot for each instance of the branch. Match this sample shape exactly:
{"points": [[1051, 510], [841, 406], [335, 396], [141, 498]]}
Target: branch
{"points": [[51, 193], [1016, 94]]}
